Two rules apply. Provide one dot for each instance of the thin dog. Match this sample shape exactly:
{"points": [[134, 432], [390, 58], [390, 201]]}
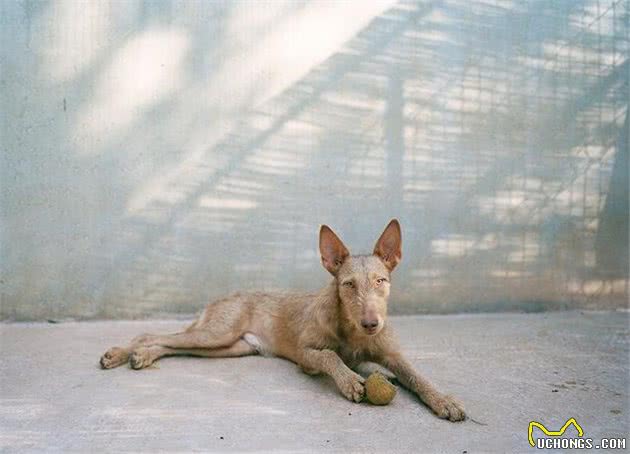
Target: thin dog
{"points": [[331, 331]]}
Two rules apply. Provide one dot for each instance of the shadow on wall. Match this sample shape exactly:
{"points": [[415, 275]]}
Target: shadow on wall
{"points": [[162, 154]]}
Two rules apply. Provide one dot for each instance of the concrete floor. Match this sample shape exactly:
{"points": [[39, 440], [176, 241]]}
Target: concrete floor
{"points": [[508, 369]]}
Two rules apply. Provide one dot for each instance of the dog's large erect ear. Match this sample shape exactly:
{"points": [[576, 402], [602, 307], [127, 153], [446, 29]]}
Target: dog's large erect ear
{"points": [[389, 245], [332, 250]]}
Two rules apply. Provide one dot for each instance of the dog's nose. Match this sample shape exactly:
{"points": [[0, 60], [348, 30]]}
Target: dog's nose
{"points": [[369, 324]]}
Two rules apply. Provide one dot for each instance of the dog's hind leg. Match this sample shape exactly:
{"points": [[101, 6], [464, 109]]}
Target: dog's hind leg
{"points": [[202, 339], [117, 356], [198, 338], [114, 357], [220, 325], [143, 357]]}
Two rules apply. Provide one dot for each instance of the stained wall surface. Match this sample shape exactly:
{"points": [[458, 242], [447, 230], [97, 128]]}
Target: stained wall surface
{"points": [[159, 154]]}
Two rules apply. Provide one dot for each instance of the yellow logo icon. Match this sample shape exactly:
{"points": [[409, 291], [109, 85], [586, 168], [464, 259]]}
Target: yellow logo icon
{"points": [[552, 433]]}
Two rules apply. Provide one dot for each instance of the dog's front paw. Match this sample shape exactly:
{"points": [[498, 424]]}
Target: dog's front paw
{"points": [[352, 387], [447, 407]]}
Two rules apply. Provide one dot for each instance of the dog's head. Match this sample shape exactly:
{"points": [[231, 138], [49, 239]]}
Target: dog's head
{"points": [[363, 281]]}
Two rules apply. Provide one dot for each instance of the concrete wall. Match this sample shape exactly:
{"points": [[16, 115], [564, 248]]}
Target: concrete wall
{"points": [[159, 154]]}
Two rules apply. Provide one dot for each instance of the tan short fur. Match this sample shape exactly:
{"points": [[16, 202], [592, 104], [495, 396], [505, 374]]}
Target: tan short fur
{"points": [[331, 331]]}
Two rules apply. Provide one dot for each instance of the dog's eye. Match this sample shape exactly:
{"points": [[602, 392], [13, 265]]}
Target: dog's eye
{"points": [[348, 284], [380, 280]]}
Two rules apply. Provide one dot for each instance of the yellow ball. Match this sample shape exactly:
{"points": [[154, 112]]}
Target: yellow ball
{"points": [[378, 390]]}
